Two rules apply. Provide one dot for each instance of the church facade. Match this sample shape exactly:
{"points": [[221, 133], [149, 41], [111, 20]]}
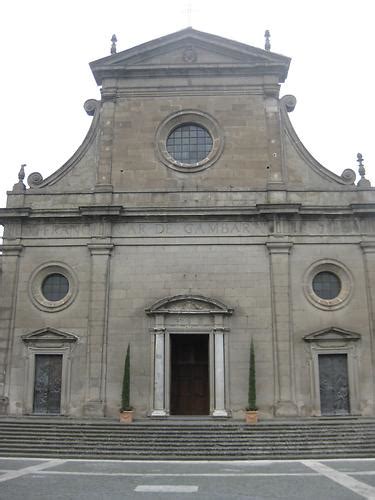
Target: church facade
{"points": [[190, 221]]}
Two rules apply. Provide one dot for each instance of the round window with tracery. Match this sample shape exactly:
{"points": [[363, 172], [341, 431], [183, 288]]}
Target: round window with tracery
{"points": [[189, 143], [326, 285], [55, 287]]}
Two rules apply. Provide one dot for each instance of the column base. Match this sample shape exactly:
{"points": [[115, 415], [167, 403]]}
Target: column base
{"points": [[286, 409], [220, 413], [159, 413], [93, 409]]}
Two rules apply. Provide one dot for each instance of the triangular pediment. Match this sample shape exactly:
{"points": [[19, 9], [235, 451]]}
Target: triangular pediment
{"points": [[332, 334], [188, 304], [49, 335], [190, 50]]}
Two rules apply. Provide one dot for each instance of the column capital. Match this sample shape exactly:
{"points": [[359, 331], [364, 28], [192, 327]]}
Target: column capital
{"points": [[367, 246], [100, 248], [279, 247], [11, 250]]}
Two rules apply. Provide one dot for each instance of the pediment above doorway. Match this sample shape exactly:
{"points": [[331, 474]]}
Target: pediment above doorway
{"points": [[188, 304], [48, 336], [331, 334]]}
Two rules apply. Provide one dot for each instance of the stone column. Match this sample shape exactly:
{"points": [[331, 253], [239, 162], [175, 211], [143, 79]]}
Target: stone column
{"points": [[368, 249], [284, 399], [8, 303], [98, 329], [158, 395], [219, 368], [159, 409]]}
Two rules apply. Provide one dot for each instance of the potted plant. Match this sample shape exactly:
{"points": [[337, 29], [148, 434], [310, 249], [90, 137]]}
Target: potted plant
{"points": [[126, 411], [251, 409]]}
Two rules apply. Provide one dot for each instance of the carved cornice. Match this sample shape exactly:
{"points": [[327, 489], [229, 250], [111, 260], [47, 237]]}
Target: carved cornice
{"points": [[115, 212]]}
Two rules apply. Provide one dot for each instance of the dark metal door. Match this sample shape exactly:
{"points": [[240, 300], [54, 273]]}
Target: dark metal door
{"points": [[189, 375], [47, 385], [334, 384]]}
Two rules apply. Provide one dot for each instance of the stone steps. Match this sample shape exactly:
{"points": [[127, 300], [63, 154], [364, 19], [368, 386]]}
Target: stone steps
{"points": [[68, 439]]}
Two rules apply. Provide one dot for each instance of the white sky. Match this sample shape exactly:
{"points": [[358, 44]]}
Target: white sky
{"points": [[46, 45]]}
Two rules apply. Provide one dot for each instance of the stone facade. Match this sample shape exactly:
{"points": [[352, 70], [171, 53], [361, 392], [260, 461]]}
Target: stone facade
{"points": [[152, 249]]}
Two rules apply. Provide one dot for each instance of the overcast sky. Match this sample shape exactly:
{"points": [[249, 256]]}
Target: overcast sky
{"points": [[46, 47]]}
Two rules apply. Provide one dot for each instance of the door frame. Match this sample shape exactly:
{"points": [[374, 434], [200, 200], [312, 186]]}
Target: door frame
{"points": [[61, 381], [48, 341], [30, 378], [334, 340], [352, 378], [209, 374], [172, 316]]}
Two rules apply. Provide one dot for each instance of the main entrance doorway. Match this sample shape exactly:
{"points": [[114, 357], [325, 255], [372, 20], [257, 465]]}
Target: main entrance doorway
{"points": [[47, 384], [334, 384], [189, 375]]}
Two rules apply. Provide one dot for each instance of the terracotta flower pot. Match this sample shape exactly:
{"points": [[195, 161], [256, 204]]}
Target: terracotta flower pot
{"points": [[251, 416], [126, 416]]}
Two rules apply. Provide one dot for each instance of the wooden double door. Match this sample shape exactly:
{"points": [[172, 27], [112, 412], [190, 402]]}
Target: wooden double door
{"points": [[189, 393]]}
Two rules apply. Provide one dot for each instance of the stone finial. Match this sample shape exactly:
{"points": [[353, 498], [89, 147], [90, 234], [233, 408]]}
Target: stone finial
{"points": [[21, 173], [267, 43], [113, 46], [20, 186], [363, 182]]}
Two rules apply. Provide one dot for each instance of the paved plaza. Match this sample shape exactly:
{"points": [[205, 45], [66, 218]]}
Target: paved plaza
{"points": [[46, 479]]}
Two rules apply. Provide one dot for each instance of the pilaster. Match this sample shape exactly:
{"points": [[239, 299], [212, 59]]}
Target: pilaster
{"points": [[104, 174], [98, 329], [368, 251], [8, 302], [284, 383]]}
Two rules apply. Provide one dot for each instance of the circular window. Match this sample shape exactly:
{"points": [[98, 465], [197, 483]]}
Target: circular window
{"points": [[52, 287], [55, 287], [328, 284], [189, 141]]}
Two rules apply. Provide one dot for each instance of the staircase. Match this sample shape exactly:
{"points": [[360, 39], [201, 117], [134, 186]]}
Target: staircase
{"points": [[66, 438]]}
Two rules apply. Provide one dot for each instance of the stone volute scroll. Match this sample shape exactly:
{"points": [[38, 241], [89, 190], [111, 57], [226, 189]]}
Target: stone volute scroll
{"points": [[35, 179]]}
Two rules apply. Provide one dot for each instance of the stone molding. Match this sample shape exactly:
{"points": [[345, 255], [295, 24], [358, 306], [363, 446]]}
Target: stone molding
{"points": [[35, 286], [182, 117], [345, 277]]}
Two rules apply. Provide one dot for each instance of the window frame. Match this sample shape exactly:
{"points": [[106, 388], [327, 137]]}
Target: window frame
{"points": [[36, 281], [343, 274], [185, 117]]}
